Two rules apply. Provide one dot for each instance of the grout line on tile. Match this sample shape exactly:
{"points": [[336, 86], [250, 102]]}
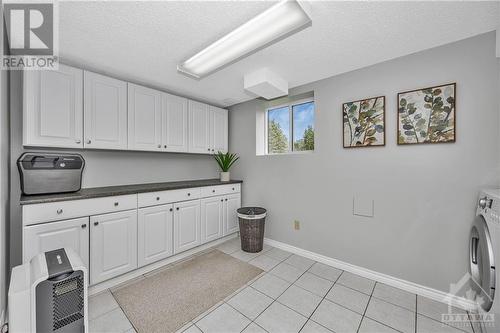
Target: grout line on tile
{"points": [[416, 311], [366, 307], [317, 306], [276, 299]]}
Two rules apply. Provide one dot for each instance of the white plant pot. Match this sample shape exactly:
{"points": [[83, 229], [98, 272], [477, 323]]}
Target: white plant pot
{"points": [[224, 176]]}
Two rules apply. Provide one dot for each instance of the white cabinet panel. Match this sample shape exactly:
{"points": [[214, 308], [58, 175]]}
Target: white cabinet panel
{"points": [[187, 231], [113, 245], [155, 233], [174, 123], [63, 210], [231, 204], [72, 234], [105, 101], [144, 118], [210, 191], [218, 129], [199, 120], [211, 219], [169, 196], [53, 108]]}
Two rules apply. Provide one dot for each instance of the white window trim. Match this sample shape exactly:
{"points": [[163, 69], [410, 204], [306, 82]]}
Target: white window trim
{"points": [[290, 114]]}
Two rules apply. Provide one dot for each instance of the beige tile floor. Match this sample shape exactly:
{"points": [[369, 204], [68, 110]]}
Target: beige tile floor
{"points": [[296, 294]]}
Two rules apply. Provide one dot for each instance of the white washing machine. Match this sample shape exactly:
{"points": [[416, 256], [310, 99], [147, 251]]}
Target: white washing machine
{"points": [[484, 253]]}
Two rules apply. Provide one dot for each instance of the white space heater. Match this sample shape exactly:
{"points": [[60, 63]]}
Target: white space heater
{"points": [[49, 294]]}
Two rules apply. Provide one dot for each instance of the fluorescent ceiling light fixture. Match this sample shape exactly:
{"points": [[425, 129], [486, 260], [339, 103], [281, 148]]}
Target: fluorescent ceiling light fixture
{"points": [[279, 21]]}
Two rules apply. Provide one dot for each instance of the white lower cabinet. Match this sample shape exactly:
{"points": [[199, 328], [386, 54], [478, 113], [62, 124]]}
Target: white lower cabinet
{"points": [[231, 204], [154, 233], [113, 245], [211, 218], [131, 231], [72, 234], [187, 233]]}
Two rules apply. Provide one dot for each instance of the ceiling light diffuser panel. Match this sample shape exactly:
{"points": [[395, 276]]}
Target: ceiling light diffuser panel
{"points": [[279, 21]]}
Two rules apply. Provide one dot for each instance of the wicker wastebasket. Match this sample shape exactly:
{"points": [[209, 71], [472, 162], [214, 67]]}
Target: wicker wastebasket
{"points": [[252, 220]]}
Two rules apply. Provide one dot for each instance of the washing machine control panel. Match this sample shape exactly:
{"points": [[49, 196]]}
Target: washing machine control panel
{"points": [[489, 207]]}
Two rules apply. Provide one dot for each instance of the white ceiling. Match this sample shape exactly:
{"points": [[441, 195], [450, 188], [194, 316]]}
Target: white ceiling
{"points": [[143, 41]]}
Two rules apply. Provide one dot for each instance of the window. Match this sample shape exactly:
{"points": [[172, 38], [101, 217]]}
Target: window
{"points": [[290, 128]]}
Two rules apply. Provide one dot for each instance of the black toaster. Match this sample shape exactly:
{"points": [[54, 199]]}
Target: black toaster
{"points": [[44, 173]]}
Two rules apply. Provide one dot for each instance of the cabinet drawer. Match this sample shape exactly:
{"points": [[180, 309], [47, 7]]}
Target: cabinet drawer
{"points": [[53, 211], [210, 191], [164, 197]]}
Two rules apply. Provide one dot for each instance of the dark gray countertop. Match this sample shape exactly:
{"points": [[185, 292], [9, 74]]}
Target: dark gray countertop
{"points": [[97, 192]]}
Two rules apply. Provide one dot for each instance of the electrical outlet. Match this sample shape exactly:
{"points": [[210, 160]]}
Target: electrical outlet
{"points": [[296, 225]]}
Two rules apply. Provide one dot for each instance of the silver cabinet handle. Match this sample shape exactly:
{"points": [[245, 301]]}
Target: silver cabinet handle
{"points": [[96, 223], [78, 141], [59, 211], [89, 141]]}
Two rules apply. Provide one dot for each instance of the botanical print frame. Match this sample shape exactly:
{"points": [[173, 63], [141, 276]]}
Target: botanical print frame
{"points": [[427, 115], [365, 128]]}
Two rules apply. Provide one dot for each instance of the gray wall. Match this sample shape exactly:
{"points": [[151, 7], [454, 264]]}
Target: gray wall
{"points": [[103, 167], [425, 195]]}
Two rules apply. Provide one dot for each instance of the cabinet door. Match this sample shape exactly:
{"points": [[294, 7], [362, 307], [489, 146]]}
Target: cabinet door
{"points": [[105, 110], [175, 123], [154, 231], [113, 245], [144, 118], [53, 108], [211, 218], [186, 225], [72, 234], [218, 129], [198, 127], [231, 204]]}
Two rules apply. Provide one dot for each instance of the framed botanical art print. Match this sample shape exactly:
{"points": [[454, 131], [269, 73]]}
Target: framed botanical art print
{"points": [[364, 122], [427, 115]]}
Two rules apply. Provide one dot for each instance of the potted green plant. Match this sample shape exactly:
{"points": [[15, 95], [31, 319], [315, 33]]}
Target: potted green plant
{"points": [[225, 162]]}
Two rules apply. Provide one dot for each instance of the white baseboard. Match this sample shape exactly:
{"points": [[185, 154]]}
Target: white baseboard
{"points": [[97, 288], [411, 287]]}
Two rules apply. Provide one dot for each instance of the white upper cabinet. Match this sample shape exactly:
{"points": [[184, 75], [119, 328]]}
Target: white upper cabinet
{"points": [[174, 123], [72, 108], [105, 111], [199, 119], [53, 108], [218, 129], [144, 118]]}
